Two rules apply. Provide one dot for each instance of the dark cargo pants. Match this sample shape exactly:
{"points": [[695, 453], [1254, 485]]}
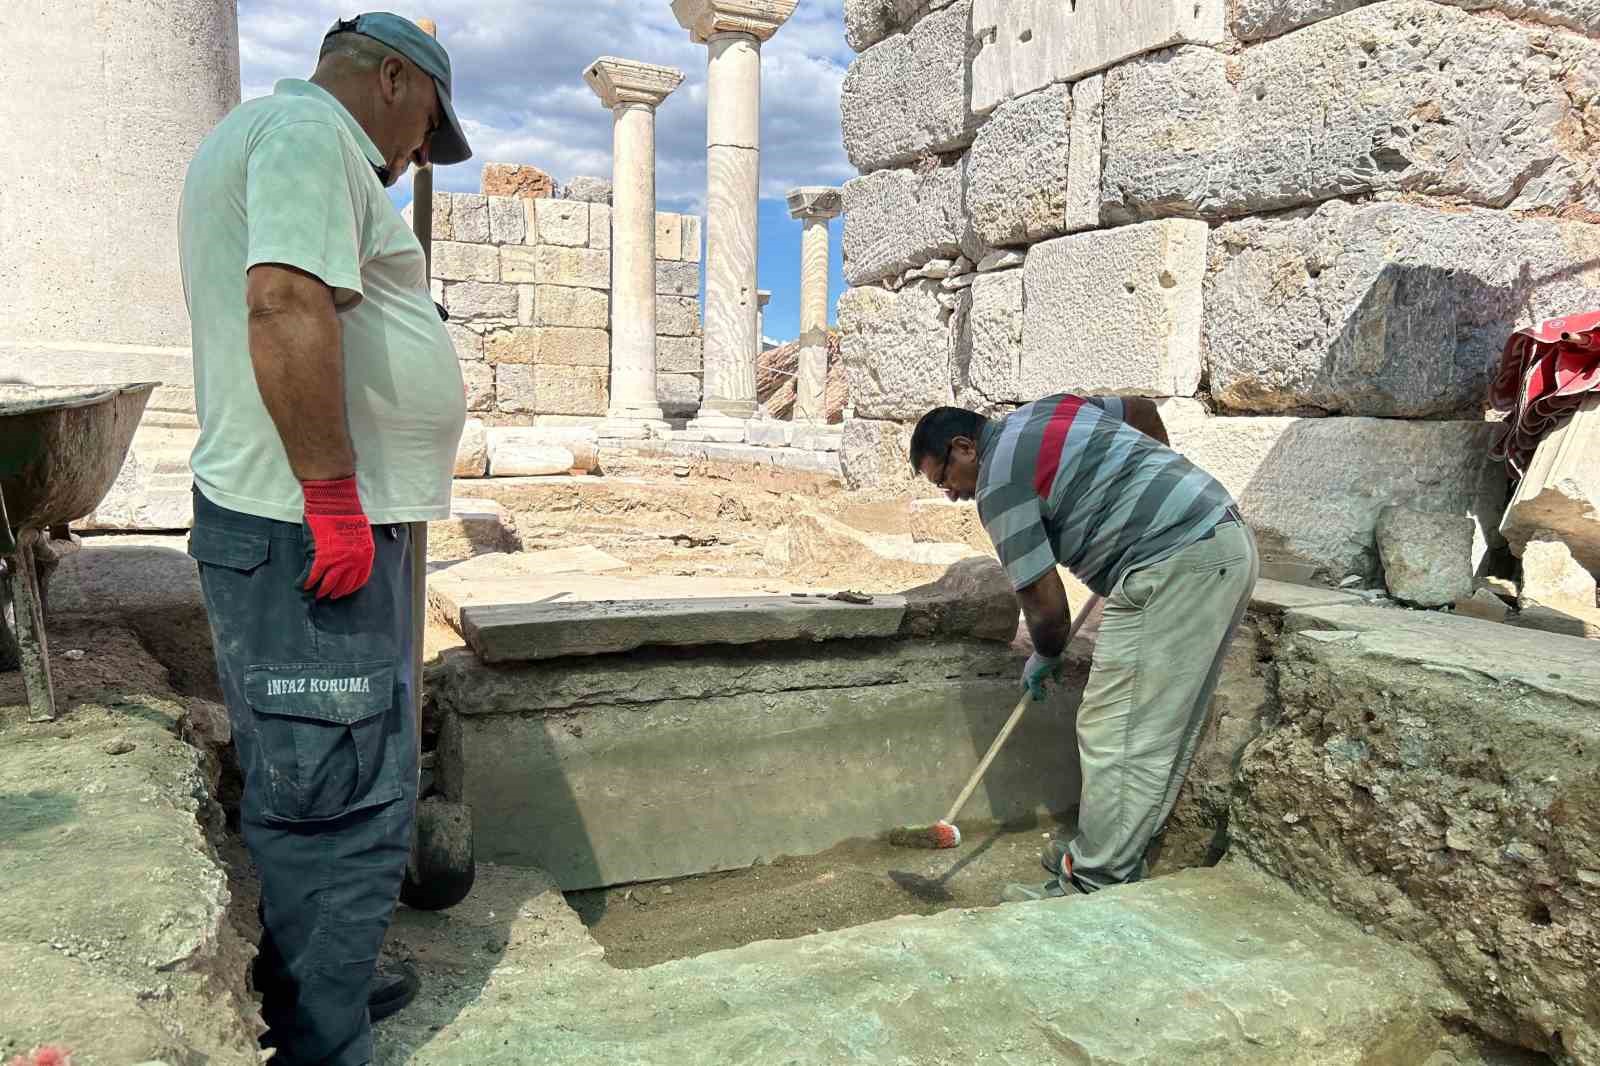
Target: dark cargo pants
{"points": [[319, 695]]}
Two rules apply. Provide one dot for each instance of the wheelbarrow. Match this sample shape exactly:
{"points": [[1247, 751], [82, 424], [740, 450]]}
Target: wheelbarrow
{"points": [[60, 450]]}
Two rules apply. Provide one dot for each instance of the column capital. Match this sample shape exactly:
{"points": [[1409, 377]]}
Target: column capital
{"points": [[627, 81], [816, 202], [763, 297], [759, 18]]}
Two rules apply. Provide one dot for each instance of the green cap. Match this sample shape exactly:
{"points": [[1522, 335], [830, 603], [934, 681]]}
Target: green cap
{"points": [[449, 145]]}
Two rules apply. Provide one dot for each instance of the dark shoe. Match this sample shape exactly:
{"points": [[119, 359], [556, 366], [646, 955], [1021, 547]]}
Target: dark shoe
{"points": [[1051, 889], [393, 989], [1054, 857]]}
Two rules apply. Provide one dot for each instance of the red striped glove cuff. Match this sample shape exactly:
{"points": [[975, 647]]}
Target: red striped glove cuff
{"points": [[332, 497]]}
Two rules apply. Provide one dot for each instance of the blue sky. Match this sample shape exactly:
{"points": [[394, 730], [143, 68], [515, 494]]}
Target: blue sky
{"points": [[519, 90]]}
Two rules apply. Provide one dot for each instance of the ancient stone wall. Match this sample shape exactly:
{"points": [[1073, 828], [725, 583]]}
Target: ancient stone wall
{"points": [[1313, 223]]}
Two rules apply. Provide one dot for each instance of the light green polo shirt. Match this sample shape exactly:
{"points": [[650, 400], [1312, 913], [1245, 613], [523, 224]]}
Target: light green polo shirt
{"points": [[288, 178]]}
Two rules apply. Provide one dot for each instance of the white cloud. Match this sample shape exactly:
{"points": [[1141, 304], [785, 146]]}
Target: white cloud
{"points": [[519, 88]]}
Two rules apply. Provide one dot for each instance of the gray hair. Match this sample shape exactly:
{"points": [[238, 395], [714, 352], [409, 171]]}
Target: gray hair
{"points": [[354, 53]]}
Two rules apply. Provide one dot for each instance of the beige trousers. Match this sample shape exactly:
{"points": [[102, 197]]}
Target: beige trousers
{"points": [[1160, 648]]}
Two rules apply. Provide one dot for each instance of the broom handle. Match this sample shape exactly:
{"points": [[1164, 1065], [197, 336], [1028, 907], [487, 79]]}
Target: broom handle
{"points": [[1011, 724]]}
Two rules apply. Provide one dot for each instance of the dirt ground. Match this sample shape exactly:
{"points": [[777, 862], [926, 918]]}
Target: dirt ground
{"points": [[857, 882]]}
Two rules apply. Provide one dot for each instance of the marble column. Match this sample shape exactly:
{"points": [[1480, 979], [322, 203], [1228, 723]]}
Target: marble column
{"points": [[763, 298], [733, 32], [633, 91], [815, 205]]}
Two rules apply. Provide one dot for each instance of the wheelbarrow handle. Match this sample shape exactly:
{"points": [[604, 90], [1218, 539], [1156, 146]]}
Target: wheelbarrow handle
{"points": [[8, 543]]}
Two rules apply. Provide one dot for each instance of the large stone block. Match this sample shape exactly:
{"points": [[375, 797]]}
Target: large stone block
{"points": [[1115, 311], [669, 236], [1312, 488], [678, 394], [472, 451], [454, 261], [677, 316], [441, 216], [875, 457], [895, 347], [866, 22], [1017, 171], [559, 222], [988, 358], [907, 96], [469, 218], [467, 343], [1387, 309], [680, 355], [588, 268], [1434, 777], [561, 305], [1427, 558], [1084, 151], [1257, 19], [550, 390], [508, 220], [678, 279], [1024, 45], [599, 225], [516, 179], [1560, 494], [548, 346], [1407, 95], [472, 300], [898, 219], [478, 380]]}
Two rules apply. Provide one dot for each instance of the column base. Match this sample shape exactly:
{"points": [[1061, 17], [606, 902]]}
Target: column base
{"points": [[716, 427], [771, 433], [632, 425]]}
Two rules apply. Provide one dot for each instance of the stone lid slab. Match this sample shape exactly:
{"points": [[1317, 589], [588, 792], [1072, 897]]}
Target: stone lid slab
{"points": [[502, 633], [627, 81], [759, 18]]}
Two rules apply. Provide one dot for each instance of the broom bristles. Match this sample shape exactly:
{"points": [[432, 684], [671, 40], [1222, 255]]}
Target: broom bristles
{"points": [[937, 836]]}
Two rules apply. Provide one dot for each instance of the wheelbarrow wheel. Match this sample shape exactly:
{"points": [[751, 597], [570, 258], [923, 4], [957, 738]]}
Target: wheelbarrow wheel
{"points": [[442, 866]]}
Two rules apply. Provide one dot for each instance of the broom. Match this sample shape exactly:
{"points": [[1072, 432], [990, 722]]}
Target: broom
{"points": [[943, 833]]}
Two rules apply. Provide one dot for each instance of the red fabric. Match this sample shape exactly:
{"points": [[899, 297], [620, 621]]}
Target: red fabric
{"points": [[1055, 438], [1545, 372], [341, 537]]}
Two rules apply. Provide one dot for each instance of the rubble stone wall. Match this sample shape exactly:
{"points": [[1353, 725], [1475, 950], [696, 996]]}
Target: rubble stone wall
{"points": [[1319, 219]]}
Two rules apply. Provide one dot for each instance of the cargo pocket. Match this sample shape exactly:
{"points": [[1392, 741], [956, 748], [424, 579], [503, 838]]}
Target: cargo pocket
{"points": [[323, 742], [235, 549]]}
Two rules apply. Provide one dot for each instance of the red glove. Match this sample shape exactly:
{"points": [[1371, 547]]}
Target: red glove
{"points": [[341, 538]]}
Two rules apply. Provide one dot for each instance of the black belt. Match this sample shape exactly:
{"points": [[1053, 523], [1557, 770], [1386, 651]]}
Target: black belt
{"points": [[1229, 516]]}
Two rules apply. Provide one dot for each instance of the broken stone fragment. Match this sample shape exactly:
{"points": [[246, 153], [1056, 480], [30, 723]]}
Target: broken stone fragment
{"points": [[1560, 493], [1552, 578], [973, 598], [1482, 604], [1427, 558]]}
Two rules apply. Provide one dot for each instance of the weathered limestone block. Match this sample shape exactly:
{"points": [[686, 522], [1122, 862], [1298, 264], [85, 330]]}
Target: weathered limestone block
{"points": [[588, 268], [677, 316], [516, 179], [515, 451], [896, 350], [478, 380], [508, 221], [471, 300], [866, 22], [936, 520], [475, 527], [560, 222], [1406, 95], [1115, 311], [1552, 578], [589, 189], [467, 343], [816, 543], [1561, 492], [679, 355], [454, 261], [472, 451], [548, 346], [907, 96], [1435, 777], [1017, 170], [1257, 19], [875, 457], [1427, 558], [1024, 45], [972, 599], [1482, 604], [469, 218], [599, 226], [550, 390], [669, 236], [1312, 489], [441, 217], [678, 279], [562, 305], [1083, 154], [898, 219], [1386, 309], [678, 394], [988, 358]]}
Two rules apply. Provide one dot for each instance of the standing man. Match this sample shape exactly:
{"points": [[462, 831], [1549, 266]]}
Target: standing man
{"points": [[330, 406], [1091, 484]]}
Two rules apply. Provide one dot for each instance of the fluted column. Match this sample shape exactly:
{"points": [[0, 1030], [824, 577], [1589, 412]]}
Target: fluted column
{"points": [[733, 32], [633, 91], [815, 206]]}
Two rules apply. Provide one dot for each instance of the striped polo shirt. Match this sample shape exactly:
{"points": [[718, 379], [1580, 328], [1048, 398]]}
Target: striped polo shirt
{"points": [[1066, 480]]}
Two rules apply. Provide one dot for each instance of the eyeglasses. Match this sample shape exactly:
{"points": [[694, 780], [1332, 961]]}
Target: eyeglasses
{"points": [[944, 467]]}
